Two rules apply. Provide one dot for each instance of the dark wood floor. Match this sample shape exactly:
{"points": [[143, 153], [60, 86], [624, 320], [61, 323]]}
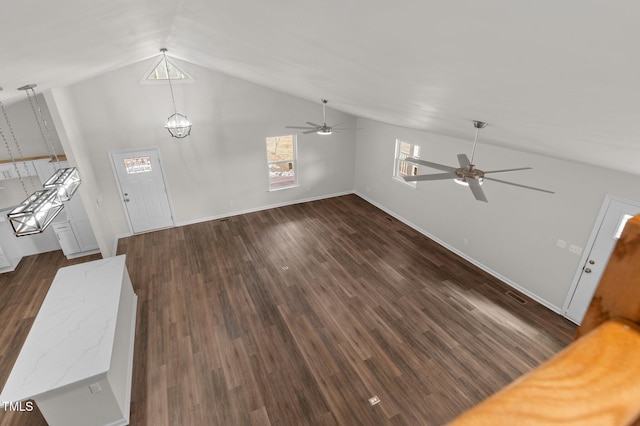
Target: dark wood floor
{"points": [[299, 315]]}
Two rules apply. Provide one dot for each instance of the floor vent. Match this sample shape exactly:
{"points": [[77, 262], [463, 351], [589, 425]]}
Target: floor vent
{"points": [[224, 219], [515, 297], [389, 218]]}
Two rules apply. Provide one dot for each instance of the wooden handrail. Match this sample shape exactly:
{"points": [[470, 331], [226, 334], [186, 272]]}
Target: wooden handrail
{"points": [[594, 381]]}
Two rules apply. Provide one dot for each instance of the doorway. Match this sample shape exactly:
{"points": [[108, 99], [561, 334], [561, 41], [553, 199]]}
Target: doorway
{"points": [[142, 189], [613, 215]]}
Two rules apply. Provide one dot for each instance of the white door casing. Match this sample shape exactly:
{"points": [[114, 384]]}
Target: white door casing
{"points": [[613, 215], [142, 189]]}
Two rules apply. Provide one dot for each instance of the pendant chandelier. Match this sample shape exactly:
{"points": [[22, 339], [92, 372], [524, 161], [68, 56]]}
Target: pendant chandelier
{"points": [[37, 211], [65, 180], [177, 124]]}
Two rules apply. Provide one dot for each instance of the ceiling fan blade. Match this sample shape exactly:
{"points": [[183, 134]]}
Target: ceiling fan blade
{"points": [[521, 186], [463, 160], [508, 170], [435, 176], [313, 124], [474, 186], [430, 164], [310, 131], [299, 127]]}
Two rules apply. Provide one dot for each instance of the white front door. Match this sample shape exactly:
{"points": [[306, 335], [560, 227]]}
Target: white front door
{"points": [[614, 215], [143, 190]]}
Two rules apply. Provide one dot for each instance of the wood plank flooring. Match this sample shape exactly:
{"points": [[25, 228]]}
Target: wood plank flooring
{"points": [[298, 315]]}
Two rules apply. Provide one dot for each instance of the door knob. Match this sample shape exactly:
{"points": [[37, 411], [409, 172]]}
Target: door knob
{"points": [[591, 262], [126, 200], [587, 270]]}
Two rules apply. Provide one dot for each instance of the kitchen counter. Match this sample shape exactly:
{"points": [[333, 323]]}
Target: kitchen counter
{"points": [[76, 362]]}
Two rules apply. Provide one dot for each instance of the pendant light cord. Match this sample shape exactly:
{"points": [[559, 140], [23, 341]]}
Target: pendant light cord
{"points": [[46, 135], [166, 67], [6, 144]]}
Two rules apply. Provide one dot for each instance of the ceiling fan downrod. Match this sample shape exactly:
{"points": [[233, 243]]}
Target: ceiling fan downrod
{"points": [[324, 111], [478, 125]]}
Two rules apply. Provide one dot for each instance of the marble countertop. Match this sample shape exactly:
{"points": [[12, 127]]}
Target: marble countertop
{"points": [[72, 336]]}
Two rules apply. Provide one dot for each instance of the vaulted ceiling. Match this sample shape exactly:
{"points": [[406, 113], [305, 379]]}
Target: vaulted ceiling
{"points": [[559, 78]]}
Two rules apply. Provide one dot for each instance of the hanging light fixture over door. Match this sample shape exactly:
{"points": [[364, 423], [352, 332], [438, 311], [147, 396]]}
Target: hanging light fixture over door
{"points": [[65, 180], [177, 124], [36, 212]]}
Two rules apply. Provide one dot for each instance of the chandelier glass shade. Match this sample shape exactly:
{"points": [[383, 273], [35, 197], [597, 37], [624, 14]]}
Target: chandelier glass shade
{"points": [[35, 213], [65, 181], [178, 126]]}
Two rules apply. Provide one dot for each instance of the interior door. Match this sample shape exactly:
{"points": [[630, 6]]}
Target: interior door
{"points": [[607, 234], [143, 189]]}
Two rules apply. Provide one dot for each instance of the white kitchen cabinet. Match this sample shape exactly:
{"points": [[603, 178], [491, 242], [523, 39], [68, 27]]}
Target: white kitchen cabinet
{"points": [[4, 260], [66, 238], [8, 170]]}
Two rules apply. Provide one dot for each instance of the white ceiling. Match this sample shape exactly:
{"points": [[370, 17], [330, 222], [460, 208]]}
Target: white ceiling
{"points": [[560, 78]]}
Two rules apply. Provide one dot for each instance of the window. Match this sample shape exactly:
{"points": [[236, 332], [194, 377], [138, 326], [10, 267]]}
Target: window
{"points": [[157, 74], [281, 159], [405, 168], [623, 222], [137, 165], [160, 72]]}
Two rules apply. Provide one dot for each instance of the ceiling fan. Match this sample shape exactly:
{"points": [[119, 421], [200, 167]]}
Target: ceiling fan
{"points": [[467, 174], [322, 129]]}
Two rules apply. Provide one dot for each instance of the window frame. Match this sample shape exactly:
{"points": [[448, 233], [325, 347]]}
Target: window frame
{"points": [[399, 157], [293, 160]]}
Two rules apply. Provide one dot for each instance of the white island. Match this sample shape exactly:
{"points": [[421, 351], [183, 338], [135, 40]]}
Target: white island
{"points": [[77, 360]]}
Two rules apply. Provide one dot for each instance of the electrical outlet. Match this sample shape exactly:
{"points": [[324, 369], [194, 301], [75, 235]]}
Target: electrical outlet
{"points": [[95, 388], [561, 243], [374, 400], [575, 249]]}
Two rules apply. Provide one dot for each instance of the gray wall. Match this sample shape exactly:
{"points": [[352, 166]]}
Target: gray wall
{"points": [[514, 235], [26, 130], [221, 168]]}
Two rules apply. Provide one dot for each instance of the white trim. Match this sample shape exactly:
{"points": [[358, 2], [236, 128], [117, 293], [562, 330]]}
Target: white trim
{"points": [[267, 207], [83, 253], [116, 239], [490, 271], [606, 202]]}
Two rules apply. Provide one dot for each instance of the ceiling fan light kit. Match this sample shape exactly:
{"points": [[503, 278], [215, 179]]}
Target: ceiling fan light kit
{"points": [[467, 174], [321, 129]]}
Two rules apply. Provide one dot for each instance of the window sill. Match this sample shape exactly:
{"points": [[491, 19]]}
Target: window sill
{"points": [[412, 185], [284, 187]]}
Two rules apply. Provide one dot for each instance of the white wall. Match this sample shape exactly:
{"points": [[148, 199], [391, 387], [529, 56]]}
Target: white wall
{"points": [[221, 168], [514, 235]]}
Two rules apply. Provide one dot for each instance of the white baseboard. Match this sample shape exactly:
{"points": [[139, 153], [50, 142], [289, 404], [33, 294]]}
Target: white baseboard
{"points": [[260, 208], [485, 268]]}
